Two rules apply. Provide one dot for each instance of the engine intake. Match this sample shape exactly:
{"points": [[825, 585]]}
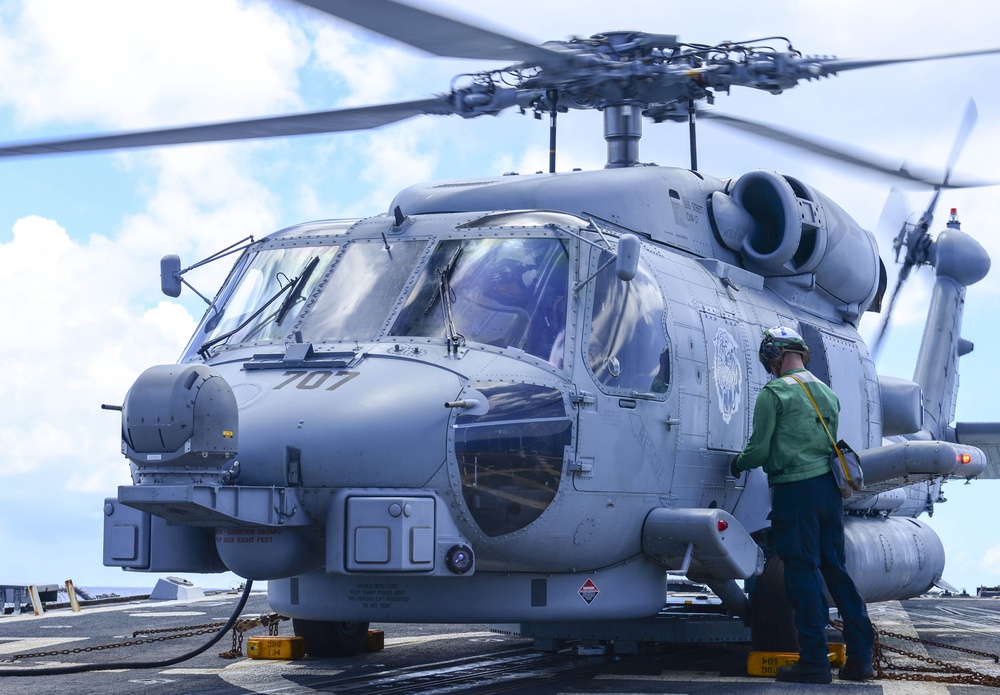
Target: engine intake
{"points": [[781, 227]]}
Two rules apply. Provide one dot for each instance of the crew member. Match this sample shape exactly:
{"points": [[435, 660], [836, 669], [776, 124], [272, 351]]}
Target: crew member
{"points": [[807, 514]]}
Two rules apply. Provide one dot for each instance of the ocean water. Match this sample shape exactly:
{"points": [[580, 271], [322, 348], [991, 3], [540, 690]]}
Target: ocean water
{"points": [[129, 591], [98, 592], [126, 591]]}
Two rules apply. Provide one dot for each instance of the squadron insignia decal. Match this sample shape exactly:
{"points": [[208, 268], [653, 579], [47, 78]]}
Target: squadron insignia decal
{"points": [[728, 375]]}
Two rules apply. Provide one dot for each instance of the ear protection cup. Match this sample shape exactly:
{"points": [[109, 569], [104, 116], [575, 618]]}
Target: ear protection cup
{"points": [[776, 341], [768, 352]]}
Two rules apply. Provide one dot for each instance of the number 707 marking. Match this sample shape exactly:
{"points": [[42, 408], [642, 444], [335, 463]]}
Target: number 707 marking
{"points": [[309, 381]]}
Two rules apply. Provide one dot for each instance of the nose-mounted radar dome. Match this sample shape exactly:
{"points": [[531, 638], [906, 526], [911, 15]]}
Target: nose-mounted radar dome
{"points": [[179, 420]]}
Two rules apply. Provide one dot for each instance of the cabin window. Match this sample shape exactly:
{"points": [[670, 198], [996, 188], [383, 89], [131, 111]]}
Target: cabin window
{"points": [[627, 349], [508, 292], [511, 458]]}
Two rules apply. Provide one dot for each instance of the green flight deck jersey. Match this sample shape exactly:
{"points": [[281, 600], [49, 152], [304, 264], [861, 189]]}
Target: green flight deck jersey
{"points": [[788, 439]]}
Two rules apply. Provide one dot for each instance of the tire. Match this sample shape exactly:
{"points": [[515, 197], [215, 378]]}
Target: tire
{"points": [[325, 639], [772, 620]]}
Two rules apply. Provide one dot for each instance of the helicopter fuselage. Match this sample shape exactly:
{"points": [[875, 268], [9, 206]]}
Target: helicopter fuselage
{"points": [[472, 409]]}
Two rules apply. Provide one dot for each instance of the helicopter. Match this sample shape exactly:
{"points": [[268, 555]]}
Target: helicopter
{"points": [[567, 362]]}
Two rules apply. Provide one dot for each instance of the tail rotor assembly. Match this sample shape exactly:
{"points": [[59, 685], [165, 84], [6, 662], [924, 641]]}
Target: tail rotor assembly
{"points": [[912, 242]]}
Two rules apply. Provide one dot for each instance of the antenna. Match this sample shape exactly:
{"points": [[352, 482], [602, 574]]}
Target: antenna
{"points": [[553, 98]]}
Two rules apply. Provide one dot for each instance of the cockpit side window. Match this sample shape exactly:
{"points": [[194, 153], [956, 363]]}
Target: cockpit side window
{"points": [[262, 299], [627, 348], [506, 292]]}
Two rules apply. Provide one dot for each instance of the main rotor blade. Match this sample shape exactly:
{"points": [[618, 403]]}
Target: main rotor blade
{"points": [[969, 119], [839, 153], [434, 33], [832, 66], [338, 120]]}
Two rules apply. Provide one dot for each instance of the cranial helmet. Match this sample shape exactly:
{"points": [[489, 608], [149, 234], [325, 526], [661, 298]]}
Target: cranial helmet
{"points": [[504, 282], [776, 341], [507, 270]]}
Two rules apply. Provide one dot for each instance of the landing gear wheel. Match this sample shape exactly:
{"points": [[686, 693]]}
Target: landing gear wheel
{"points": [[772, 620], [324, 638]]}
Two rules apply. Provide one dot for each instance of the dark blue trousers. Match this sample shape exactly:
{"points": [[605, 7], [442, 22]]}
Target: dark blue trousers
{"points": [[807, 531]]}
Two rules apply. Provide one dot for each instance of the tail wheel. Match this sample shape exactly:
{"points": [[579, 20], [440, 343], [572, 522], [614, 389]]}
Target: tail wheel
{"points": [[772, 620], [324, 638]]}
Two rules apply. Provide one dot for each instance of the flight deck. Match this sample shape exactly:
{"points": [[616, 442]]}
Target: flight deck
{"points": [[448, 658]]}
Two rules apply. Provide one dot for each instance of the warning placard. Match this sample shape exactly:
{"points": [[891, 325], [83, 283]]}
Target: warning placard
{"points": [[589, 591]]}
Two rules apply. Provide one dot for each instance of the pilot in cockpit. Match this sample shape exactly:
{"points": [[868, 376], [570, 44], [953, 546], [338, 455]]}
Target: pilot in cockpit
{"points": [[505, 283], [494, 308]]}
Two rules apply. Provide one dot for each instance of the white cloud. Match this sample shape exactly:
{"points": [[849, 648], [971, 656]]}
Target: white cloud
{"points": [[372, 74], [77, 345], [200, 199], [990, 563], [90, 317], [130, 64], [397, 160]]}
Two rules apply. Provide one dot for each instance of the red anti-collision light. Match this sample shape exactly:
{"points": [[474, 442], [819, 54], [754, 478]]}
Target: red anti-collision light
{"points": [[723, 524], [964, 458]]}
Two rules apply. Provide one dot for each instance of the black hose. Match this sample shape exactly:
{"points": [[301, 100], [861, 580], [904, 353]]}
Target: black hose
{"points": [[83, 668]]}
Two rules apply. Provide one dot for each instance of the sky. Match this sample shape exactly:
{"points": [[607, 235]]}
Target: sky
{"points": [[81, 235]]}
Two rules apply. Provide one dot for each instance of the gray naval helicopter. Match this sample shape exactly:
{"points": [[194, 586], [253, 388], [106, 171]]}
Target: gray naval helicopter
{"points": [[514, 399]]}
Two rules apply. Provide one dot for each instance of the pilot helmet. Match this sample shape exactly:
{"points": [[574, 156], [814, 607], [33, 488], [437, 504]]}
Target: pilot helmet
{"points": [[506, 282], [776, 341]]}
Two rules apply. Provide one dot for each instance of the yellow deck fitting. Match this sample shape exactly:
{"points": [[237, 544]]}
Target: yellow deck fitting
{"points": [[376, 641], [284, 648], [767, 663]]}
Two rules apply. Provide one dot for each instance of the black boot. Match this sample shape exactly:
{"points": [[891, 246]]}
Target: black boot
{"points": [[804, 673], [857, 670]]}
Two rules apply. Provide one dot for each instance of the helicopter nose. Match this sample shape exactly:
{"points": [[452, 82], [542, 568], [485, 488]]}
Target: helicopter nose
{"points": [[380, 423]]}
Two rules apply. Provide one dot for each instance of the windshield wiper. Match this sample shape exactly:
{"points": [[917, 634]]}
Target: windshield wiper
{"points": [[449, 267], [296, 292], [454, 338], [443, 289], [294, 288]]}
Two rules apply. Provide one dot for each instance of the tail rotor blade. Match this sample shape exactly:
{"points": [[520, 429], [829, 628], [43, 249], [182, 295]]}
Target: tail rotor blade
{"points": [[969, 119], [883, 327], [889, 225]]}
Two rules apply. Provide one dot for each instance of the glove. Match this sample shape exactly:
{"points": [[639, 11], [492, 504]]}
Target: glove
{"points": [[733, 470]]}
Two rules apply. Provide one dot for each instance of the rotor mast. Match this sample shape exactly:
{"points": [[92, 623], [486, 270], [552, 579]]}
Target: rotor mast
{"points": [[622, 131]]}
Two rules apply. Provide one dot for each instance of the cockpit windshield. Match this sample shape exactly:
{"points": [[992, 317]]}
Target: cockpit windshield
{"points": [[507, 292], [263, 300], [362, 291]]}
